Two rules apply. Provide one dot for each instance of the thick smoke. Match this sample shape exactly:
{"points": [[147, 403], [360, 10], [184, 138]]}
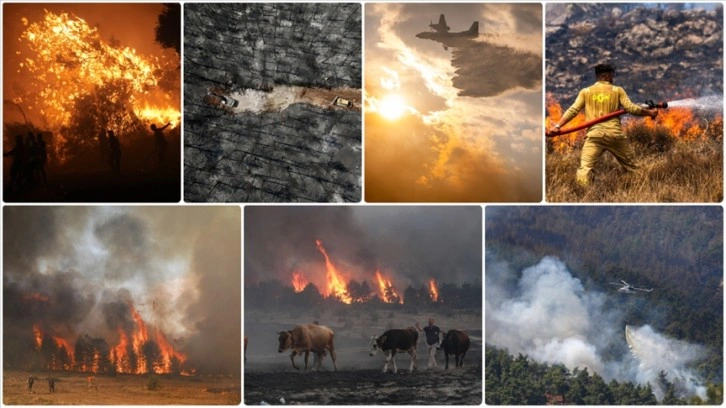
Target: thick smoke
{"points": [[549, 315], [77, 271], [506, 68], [657, 353], [412, 244]]}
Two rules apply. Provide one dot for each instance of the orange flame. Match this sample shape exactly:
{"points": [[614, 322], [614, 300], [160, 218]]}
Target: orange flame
{"points": [[682, 122], [70, 61], [38, 336], [298, 281], [387, 292], [119, 355], [336, 286], [433, 290], [36, 297], [564, 143]]}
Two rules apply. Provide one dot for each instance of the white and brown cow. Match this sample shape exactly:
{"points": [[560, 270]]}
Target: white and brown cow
{"points": [[455, 342], [393, 341], [306, 338]]}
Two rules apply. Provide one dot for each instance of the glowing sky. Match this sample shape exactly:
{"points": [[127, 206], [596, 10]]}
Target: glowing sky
{"points": [[425, 141]]}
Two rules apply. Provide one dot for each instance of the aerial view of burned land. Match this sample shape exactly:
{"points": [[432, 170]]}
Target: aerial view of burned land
{"points": [[272, 102], [363, 305], [91, 102], [121, 306]]}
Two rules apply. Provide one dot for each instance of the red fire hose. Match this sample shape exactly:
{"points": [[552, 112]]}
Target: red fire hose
{"points": [[647, 104]]}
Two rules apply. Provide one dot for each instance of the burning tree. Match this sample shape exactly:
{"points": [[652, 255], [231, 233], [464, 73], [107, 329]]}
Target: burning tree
{"points": [[83, 83]]}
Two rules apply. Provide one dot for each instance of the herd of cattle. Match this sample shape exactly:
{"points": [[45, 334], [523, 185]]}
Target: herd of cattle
{"points": [[319, 340]]}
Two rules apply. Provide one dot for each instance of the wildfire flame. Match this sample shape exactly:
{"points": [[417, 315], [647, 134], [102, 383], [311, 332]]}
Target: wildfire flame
{"points": [[36, 297], [139, 338], [298, 281], [433, 290], [128, 356], [71, 63], [336, 285], [387, 292], [38, 335], [682, 122]]}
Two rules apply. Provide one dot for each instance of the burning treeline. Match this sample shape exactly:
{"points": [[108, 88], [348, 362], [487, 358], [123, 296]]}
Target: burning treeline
{"points": [[138, 349], [331, 284], [681, 124], [76, 83]]}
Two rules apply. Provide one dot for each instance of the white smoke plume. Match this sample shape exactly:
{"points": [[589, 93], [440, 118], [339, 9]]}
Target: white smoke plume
{"points": [[548, 315], [657, 353]]}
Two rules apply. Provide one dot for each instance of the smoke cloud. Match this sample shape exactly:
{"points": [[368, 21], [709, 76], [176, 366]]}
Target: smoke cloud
{"points": [[412, 244], [547, 314], [78, 271]]}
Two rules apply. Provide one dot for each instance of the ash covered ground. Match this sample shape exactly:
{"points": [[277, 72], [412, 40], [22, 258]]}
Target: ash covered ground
{"points": [[303, 153], [269, 376]]}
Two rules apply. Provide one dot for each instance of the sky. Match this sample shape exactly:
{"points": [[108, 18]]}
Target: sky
{"points": [[461, 124], [411, 244], [179, 266]]}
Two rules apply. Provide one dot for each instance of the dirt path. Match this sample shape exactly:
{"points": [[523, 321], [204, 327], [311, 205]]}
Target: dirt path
{"points": [[280, 97], [461, 386]]}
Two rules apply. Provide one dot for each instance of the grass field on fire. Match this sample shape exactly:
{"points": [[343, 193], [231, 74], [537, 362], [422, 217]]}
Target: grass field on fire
{"points": [[72, 389], [359, 380], [679, 154]]}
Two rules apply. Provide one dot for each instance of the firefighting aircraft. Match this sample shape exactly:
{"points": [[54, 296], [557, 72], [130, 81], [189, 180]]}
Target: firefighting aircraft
{"points": [[625, 287], [441, 27], [441, 33]]}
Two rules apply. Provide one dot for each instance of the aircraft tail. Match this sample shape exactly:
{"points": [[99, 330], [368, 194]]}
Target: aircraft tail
{"points": [[474, 28]]}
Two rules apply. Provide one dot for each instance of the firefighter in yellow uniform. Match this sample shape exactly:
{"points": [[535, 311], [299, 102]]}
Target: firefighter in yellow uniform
{"points": [[598, 100]]}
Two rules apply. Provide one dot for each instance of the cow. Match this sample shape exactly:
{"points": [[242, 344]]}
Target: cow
{"points": [[245, 348], [393, 341], [455, 342], [308, 338]]}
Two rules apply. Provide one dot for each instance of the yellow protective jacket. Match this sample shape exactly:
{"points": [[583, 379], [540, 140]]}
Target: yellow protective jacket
{"points": [[599, 100]]}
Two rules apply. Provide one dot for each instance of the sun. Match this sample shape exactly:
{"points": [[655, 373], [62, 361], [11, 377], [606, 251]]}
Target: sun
{"points": [[392, 107]]}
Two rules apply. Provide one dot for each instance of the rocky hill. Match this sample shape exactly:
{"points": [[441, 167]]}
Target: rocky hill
{"points": [[661, 52]]}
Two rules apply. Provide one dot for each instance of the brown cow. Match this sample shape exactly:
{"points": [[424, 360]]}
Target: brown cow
{"points": [[245, 348], [455, 342], [308, 338]]}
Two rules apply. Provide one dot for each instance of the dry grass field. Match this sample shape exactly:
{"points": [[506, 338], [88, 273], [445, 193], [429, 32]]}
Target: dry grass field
{"points": [[671, 170], [72, 389]]}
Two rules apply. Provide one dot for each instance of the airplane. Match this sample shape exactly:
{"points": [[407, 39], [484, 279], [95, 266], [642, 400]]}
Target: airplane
{"points": [[625, 287], [449, 39], [441, 27]]}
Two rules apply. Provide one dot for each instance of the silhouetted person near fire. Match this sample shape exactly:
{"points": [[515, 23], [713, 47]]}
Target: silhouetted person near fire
{"points": [[103, 148], [42, 159], [114, 156], [31, 380], [51, 384], [17, 169], [159, 142], [32, 155]]}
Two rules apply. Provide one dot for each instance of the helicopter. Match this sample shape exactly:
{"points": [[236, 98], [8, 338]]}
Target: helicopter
{"points": [[625, 287]]}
